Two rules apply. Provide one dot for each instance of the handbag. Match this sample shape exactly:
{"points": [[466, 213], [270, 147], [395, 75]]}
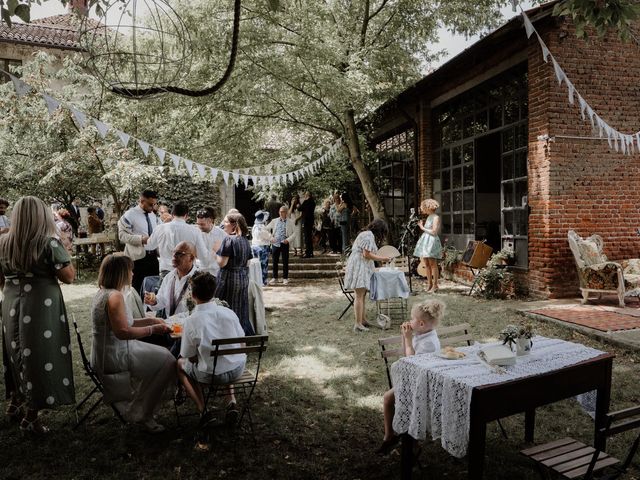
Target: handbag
{"points": [[116, 386], [384, 321]]}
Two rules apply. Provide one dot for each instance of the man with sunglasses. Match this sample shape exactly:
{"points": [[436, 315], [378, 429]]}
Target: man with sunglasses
{"points": [[168, 235], [212, 237]]}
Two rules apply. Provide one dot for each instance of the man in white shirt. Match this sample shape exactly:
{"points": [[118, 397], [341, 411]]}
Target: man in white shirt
{"points": [[134, 229], [282, 234], [208, 322], [168, 235], [212, 237], [4, 220], [174, 291]]}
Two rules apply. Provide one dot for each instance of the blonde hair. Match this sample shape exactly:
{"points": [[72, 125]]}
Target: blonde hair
{"points": [[32, 226], [429, 311], [429, 204], [114, 271]]}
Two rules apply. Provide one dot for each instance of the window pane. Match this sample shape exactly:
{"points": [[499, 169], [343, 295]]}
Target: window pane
{"points": [[520, 164], [467, 203], [507, 140], [446, 179], [521, 194], [507, 195], [521, 251], [468, 223], [524, 108], [444, 158], [446, 202], [480, 125], [510, 111], [467, 152], [467, 127], [521, 135], [507, 166], [457, 224], [468, 175], [508, 223], [457, 200], [457, 178], [446, 224], [495, 117], [456, 155]]}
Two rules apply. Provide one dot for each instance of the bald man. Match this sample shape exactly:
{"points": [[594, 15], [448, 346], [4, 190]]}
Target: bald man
{"points": [[172, 293]]}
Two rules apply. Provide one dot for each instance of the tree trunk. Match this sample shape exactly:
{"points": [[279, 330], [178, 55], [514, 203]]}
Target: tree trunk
{"points": [[369, 189]]}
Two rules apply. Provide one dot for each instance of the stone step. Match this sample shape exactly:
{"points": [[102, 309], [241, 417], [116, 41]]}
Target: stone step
{"points": [[307, 273], [312, 266], [316, 259]]}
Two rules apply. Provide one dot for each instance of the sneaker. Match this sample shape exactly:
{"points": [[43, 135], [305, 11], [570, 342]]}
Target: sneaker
{"points": [[285, 281], [388, 445], [232, 414], [272, 281], [152, 426]]}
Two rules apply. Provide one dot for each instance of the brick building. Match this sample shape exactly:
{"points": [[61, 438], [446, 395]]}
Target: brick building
{"points": [[472, 135]]}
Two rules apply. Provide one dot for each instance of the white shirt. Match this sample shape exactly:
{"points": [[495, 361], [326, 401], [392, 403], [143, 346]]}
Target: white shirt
{"points": [[4, 222], [167, 235], [210, 239], [136, 219], [260, 236], [208, 322], [164, 295], [426, 342]]}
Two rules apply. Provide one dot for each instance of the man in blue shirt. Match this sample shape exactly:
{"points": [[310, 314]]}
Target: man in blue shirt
{"points": [[283, 232]]}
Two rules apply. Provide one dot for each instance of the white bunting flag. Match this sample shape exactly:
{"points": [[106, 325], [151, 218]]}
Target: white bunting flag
{"points": [[102, 127], [124, 137], [583, 106], [236, 176], [160, 153], [571, 90], [80, 117], [52, 103], [558, 70], [308, 154], [144, 146], [528, 26], [21, 88], [189, 164], [201, 170], [545, 51], [214, 174], [245, 180], [176, 160], [225, 176]]}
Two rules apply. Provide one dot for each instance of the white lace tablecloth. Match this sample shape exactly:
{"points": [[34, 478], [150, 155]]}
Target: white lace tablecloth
{"points": [[434, 394]]}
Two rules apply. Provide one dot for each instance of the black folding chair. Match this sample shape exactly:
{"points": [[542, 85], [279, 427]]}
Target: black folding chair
{"points": [[98, 389], [346, 292]]}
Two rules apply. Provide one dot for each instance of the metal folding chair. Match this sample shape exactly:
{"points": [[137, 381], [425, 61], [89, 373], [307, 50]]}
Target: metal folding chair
{"points": [[349, 294], [98, 389]]}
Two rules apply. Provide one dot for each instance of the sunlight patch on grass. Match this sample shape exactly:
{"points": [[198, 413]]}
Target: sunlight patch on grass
{"points": [[312, 368], [325, 350], [373, 402]]}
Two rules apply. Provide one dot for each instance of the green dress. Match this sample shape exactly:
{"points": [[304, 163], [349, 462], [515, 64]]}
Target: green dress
{"points": [[36, 331]]}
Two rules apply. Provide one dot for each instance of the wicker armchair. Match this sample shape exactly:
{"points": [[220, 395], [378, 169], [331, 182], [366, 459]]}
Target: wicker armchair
{"points": [[599, 275]]}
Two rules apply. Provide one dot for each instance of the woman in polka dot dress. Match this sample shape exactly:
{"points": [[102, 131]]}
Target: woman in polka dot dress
{"points": [[35, 331]]}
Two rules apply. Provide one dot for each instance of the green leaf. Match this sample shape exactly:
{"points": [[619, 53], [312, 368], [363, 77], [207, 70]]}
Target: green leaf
{"points": [[4, 14], [23, 12], [11, 6]]}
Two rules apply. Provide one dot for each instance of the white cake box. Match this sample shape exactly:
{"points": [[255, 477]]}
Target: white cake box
{"points": [[499, 355]]}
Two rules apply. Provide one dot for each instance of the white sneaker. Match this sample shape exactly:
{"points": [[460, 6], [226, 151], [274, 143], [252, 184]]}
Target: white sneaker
{"points": [[285, 281], [272, 281], [152, 426]]}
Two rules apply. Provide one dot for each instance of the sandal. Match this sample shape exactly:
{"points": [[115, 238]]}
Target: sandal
{"points": [[14, 412], [388, 445], [33, 427]]}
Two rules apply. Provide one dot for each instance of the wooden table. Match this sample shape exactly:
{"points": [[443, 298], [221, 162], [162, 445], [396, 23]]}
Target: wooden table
{"points": [[97, 239], [491, 402]]}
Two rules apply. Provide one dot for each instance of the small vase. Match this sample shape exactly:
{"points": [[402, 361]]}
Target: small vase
{"points": [[523, 346]]}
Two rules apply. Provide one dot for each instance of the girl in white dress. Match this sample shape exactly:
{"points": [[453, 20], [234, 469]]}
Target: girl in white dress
{"points": [[296, 215], [429, 248], [360, 267]]}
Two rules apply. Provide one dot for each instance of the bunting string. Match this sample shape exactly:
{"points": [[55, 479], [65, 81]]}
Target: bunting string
{"points": [[626, 143], [255, 173]]}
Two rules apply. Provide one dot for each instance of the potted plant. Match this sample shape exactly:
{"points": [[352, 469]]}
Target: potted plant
{"points": [[506, 256], [518, 336]]}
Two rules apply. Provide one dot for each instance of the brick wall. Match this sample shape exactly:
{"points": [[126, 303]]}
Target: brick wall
{"points": [[580, 184]]}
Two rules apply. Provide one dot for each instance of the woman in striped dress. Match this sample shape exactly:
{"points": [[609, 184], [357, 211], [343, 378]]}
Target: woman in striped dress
{"points": [[233, 277]]}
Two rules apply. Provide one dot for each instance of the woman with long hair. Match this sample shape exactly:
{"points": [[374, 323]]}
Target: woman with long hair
{"points": [[295, 214], [37, 359], [360, 267], [233, 277], [116, 354]]}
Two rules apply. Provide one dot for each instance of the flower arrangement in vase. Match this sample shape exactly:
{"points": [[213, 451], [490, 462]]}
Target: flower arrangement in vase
{"points": [[518, 336]]}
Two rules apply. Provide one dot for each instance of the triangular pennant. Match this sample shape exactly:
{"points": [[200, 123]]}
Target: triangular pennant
{"points": [[570, 89], [124, 137], [583, 106], [245, 180], [558, 71], [545, 51], [590, 114], [176, 160], [52, 103], [201, 170], [225, 176], [638, 140], [236, 176], [102, 127], [214, 173], [144, 146], [319, 150], [527, 25], [189, 164], [21, 87], [80, 117], [308, 154], [160, 153]]}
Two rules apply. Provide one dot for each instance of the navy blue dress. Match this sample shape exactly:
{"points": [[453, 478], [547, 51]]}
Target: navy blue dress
{"points": [[233, 279]]}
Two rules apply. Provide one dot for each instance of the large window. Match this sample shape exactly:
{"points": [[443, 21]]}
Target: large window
{"points": [[6, 64], [396, 158], [480, 164]]}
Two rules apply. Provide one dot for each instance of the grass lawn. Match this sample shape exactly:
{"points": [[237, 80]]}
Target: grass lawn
{"points": [[317, 409]]}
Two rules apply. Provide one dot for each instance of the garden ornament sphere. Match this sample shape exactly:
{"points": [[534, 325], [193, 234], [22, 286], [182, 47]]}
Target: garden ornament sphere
{"points": [[137, 46]]}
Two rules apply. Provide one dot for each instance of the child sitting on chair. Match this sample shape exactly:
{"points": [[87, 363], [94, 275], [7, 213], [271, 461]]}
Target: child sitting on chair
{"points": [[418, 336], [208, 322]]}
